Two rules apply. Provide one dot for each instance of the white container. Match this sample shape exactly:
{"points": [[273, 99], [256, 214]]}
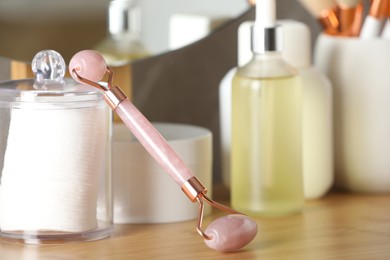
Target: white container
{"points": [[55, 171], [359, 71], [143, 192]]}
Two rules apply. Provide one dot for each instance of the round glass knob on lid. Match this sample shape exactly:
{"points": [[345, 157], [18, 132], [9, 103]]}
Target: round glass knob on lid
{"points": [[49, 68], [48, 65]]}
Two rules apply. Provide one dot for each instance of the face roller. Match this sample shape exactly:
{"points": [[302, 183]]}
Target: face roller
{"points": [[226, 234]]}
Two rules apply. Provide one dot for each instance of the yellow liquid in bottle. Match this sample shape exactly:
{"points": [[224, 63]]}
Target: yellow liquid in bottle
{"points": [[266, 145]]}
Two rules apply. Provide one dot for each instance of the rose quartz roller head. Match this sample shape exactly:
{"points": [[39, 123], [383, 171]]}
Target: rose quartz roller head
{"points": [[225, 234]]}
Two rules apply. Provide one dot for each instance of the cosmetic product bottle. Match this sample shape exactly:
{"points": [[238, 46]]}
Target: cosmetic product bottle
{"points": [[123, 43], [225, 113], [318, 172], [201, 25], [317, 127], [317, 138], [266, 164]]}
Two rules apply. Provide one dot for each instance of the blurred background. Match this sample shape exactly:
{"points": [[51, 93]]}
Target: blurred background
{"points": [[27, 26], [191, 45]]}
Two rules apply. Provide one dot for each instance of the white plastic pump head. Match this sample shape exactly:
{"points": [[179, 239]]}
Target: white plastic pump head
{"points": [[266, 35], [265, 13]]}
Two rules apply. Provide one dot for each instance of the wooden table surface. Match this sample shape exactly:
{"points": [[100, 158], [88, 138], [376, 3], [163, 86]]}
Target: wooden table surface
{"points": [[338, 226]]}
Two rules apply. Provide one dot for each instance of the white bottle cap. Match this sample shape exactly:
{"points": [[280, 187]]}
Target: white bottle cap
{"points": [[124, 16], [296, 43]]}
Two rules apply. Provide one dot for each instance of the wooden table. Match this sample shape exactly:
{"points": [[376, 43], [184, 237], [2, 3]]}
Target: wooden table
{"points": [[339, 226]]}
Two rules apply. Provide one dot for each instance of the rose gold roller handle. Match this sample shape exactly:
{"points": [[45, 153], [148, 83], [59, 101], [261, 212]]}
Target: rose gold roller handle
{"points": [[226, 234], [142, 129], [158, 147], [153, 142]]}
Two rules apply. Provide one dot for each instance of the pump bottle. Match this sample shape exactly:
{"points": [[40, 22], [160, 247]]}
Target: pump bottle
{"points": [[317, 140], [123, 43], [266, 152]]}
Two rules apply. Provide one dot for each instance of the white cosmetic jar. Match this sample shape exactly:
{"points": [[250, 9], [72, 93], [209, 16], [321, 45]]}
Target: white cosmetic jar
{"points": [[143, 192]]}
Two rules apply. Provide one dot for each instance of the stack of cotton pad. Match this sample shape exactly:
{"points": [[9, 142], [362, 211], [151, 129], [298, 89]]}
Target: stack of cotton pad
{"points": [[52, 163]]}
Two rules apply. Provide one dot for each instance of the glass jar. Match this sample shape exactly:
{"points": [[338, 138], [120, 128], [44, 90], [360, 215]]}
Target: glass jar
{"points": [[55, 158]]}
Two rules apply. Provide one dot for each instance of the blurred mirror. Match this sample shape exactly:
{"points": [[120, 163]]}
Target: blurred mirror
{"points": [[28, 26]]}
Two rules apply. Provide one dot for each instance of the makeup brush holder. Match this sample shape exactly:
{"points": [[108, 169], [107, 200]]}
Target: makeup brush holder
{"points": [[55, 172], [359, 71]]}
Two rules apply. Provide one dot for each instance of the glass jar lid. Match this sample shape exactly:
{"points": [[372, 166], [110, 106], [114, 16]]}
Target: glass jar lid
{"points": [[49, 86]]}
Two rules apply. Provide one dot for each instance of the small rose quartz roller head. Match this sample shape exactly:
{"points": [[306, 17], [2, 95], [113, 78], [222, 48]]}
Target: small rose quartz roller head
{"points": [[225, 234]]}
